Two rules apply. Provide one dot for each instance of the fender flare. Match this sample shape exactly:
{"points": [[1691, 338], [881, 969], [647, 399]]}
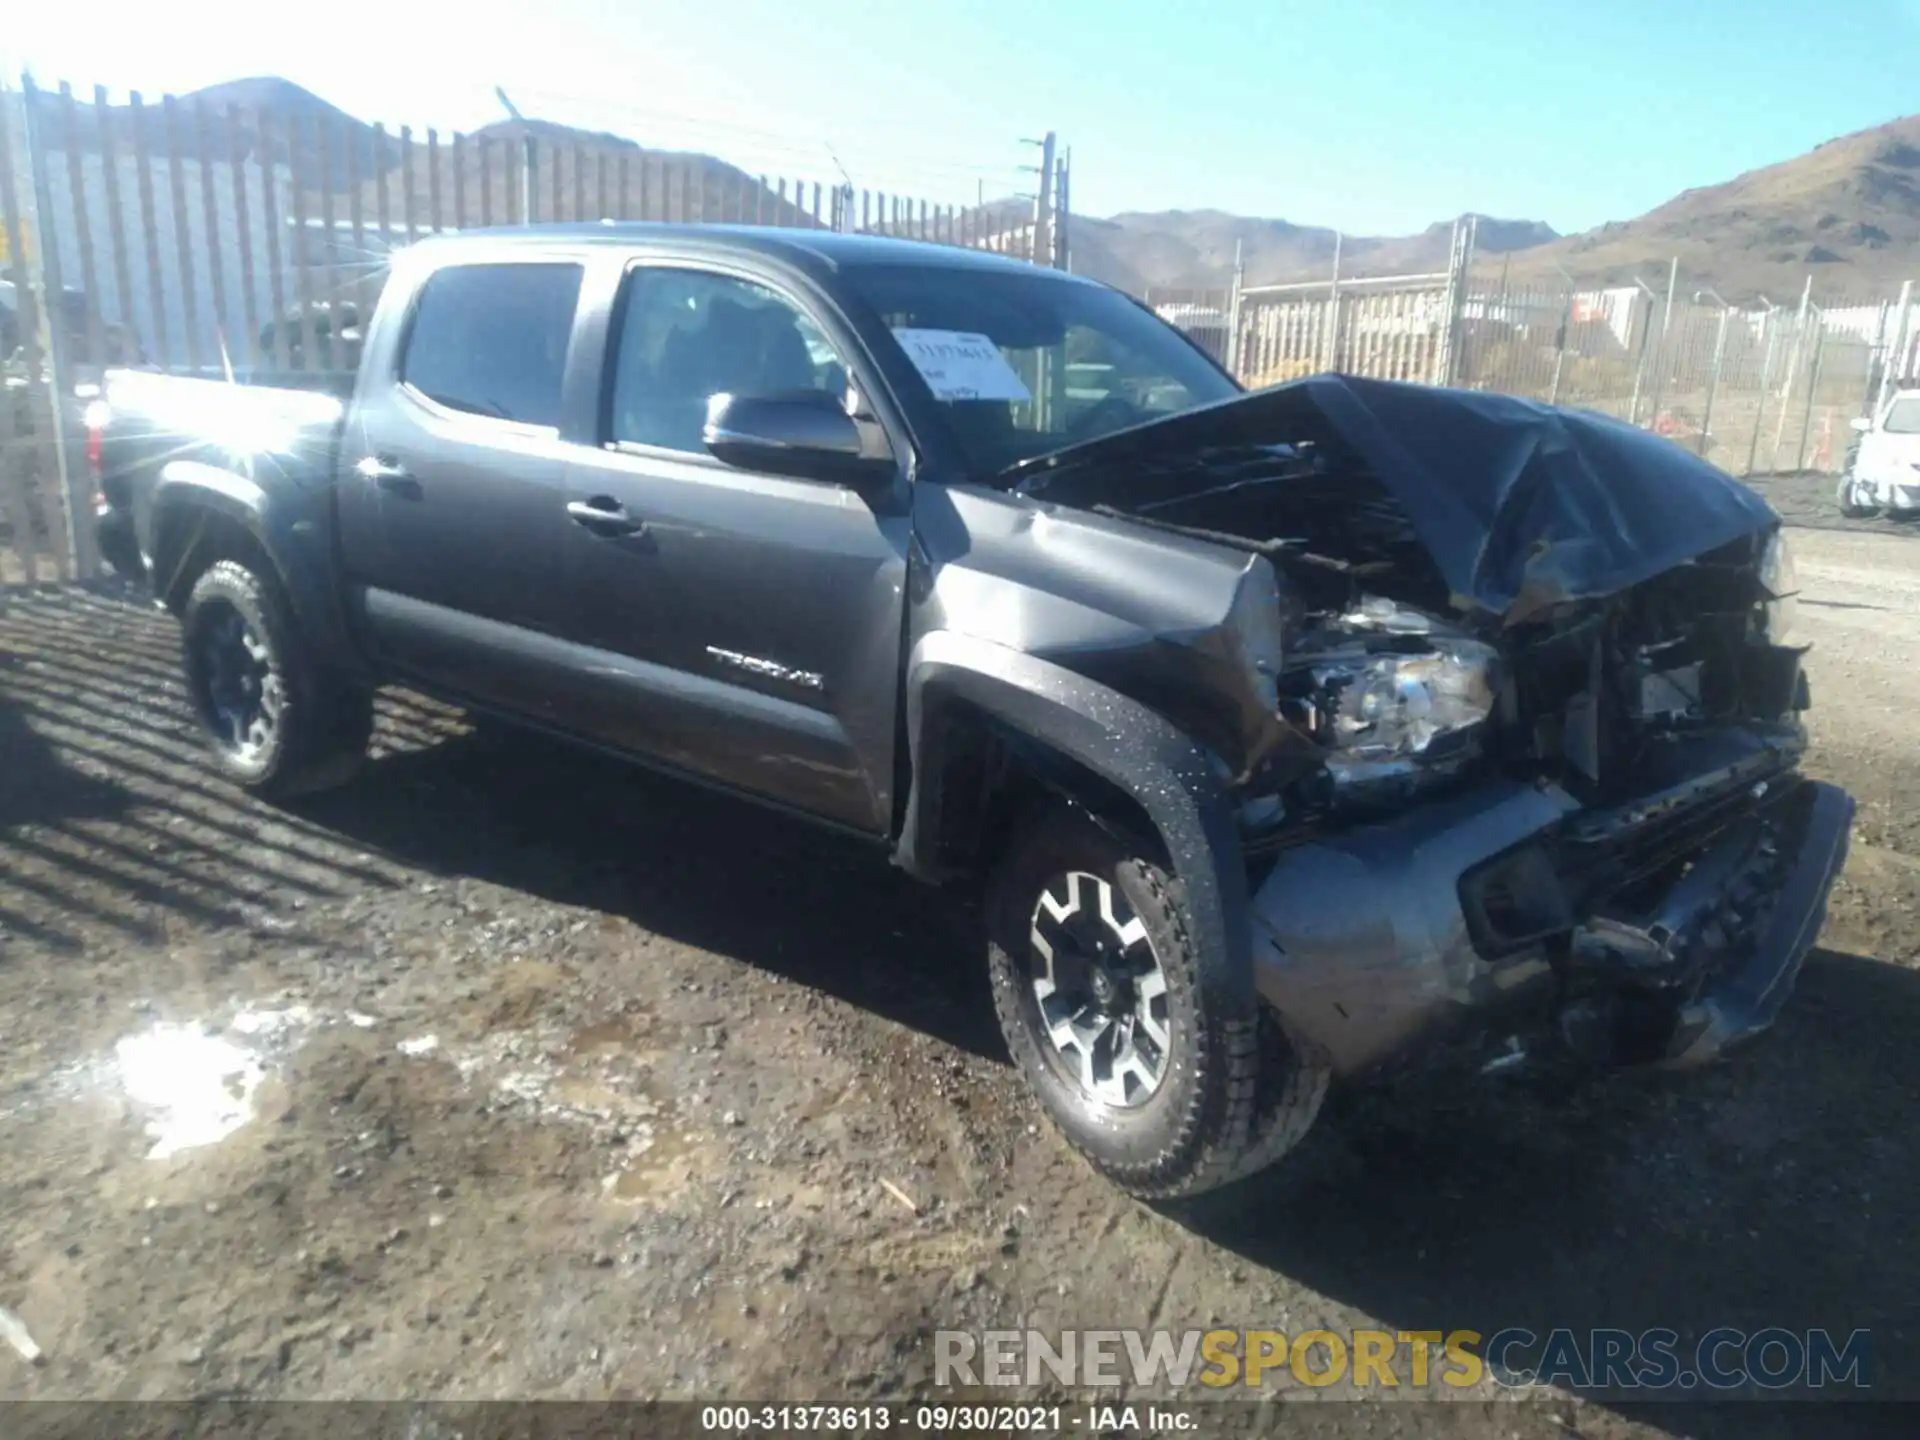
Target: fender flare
{"points": [[1140, 752], [294, 537]]}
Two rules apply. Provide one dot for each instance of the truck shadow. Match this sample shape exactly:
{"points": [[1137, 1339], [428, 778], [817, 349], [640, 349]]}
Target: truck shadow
{"points": [[1781, 1188], [685, 864]]}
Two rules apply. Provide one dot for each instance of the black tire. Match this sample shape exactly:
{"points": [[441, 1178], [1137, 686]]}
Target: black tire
{"points": [[316, 735], [1849, 508], [1233, 1093]]}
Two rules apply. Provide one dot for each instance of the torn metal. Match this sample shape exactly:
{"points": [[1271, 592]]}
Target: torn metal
{"points": [[1519, 505]]}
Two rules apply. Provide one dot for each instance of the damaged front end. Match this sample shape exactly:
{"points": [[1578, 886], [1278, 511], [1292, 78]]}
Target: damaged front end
{"points": [[1534, 716]]}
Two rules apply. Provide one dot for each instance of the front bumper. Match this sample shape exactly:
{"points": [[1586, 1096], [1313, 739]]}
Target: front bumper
{"points": [[1369, 940], [1898, 493]]}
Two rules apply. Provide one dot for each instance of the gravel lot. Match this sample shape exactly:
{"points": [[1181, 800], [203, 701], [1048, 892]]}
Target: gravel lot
{"points": [[505, 1073]]}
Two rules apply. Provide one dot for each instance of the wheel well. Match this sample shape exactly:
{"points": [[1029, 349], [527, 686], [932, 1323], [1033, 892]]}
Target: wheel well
{"points": [[989, 779], [192, 537]]}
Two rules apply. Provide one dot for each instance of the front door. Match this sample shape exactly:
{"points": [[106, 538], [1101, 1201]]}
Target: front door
{"points": [[749, 624], [452, 485]]}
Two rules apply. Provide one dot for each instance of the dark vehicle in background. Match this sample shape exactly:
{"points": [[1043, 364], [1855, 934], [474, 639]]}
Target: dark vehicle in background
{"points": [[1279, 728]]}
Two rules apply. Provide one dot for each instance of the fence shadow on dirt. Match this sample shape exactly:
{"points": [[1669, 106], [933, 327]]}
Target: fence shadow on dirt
{"points": [[112, 828], [1781, 1188], [112, 825]]}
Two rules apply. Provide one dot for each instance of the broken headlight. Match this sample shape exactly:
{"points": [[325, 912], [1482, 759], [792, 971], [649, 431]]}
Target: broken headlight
{"points": [[1391, 707], [1781, 584], [1401, 705]]}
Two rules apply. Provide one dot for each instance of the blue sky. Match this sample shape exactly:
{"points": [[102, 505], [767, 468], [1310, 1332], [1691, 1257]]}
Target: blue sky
{"points": [[1375, 117]]}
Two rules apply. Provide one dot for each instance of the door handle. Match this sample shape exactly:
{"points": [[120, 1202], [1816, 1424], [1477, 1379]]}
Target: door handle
{"points": [[387, 473], [604, 516]]}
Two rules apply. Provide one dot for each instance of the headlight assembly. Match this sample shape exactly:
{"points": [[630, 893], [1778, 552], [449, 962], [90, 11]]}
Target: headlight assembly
{"points": [[1394, 707], [1398, 702], [1781, 584]]}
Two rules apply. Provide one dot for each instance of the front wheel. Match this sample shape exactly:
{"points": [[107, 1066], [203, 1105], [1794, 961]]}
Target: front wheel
{"points": [[1165, 1087], [1850, 505], [277, 722]]}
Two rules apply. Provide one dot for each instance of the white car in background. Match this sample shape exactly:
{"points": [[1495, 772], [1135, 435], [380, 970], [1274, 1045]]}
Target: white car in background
{"points": [[1883, 476]]}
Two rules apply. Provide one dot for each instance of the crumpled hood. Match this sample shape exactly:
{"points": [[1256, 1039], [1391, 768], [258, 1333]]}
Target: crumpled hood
{"points": [[1520, 504]]}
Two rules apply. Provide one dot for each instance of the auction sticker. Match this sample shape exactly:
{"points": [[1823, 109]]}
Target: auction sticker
{"points": [[960, 365]]}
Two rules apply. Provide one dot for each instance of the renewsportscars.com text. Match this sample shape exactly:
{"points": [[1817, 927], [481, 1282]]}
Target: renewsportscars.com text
{"points": [[1720, 1360]]}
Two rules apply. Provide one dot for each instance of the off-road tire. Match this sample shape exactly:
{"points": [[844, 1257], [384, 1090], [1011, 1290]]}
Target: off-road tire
{"points": [[1236, 1093], [325, 719]]}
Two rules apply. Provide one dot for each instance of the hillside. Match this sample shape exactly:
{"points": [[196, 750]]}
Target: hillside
{"points": [[1186, 249], [1847, 211]]}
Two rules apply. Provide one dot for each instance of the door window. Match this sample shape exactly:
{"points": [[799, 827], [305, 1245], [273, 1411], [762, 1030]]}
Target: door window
{"points": [[492, 339], [687, 335]]}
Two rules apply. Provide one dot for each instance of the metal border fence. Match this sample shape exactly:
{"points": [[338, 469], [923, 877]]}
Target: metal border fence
{"points": [[1756, 389], [239, 240]]}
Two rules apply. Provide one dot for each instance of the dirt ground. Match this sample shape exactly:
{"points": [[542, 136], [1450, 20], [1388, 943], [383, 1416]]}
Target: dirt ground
{"points": [[505, 1073]]}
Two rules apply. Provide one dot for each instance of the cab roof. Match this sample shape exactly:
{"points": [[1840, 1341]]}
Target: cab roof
{"points": [[829, 249]]}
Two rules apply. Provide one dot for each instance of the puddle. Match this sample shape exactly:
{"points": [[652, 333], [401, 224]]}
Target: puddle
{"points": [[196, 1083], [198, 1088]]}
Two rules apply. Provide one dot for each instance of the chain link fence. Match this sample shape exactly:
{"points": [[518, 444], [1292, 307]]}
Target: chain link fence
{"points": [[1757, 389]]}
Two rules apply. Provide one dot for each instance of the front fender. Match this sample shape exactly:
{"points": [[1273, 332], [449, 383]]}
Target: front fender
{"points": [[291, 526], [1174, 781]]}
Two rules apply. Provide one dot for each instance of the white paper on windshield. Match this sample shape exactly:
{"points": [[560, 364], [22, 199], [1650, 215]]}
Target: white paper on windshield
{"points": [[959, 365]]}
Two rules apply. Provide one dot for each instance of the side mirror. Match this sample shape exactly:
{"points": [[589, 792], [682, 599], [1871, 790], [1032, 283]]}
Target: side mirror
{"points": [[806, 435], [1861, 423]]}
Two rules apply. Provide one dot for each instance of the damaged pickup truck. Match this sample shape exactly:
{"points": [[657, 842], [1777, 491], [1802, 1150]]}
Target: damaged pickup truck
{"points": [[1278, 730]]}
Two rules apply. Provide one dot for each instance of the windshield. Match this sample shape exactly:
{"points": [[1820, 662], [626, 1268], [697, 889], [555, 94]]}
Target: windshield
{"points": [[1903, 416], [1061, 361]]}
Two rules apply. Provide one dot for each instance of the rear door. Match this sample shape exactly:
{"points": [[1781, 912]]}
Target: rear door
{"points": [[747, 626], [453, 481]]}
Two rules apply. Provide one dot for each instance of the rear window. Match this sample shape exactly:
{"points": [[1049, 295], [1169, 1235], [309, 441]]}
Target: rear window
{"points": [[492, 339]]}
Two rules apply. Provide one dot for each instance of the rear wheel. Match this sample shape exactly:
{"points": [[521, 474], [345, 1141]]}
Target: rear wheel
{"points": [[1168, 1089], [278, 724]]}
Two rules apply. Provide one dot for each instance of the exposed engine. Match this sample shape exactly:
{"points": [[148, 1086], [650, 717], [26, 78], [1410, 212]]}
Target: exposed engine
{"points": [[1403, 691]]}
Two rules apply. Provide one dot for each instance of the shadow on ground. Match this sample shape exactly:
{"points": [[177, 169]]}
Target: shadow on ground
{"points": [[683, 863], [1779, 1189]]}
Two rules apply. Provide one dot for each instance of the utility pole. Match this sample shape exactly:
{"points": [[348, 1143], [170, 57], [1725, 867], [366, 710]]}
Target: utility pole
{"points": [[1062, 212], [1042, 249]]}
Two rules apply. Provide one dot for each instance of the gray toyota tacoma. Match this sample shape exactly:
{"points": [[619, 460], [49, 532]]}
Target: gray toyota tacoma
{"points": [[1278, 729]]}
